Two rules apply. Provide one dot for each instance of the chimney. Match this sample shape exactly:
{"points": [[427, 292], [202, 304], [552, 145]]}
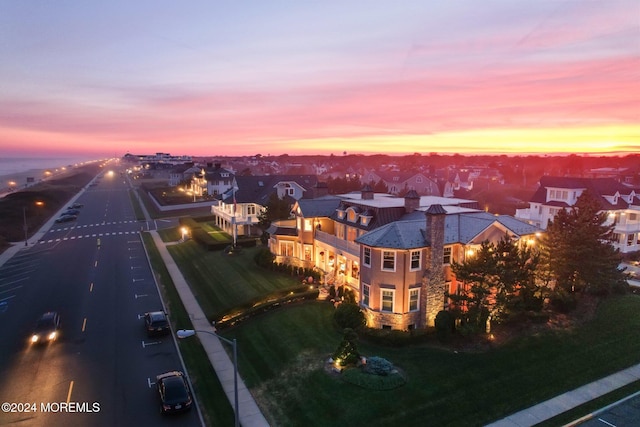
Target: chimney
{"points": [[321, 189], [367, 192], [433, 284], [411, 201]]}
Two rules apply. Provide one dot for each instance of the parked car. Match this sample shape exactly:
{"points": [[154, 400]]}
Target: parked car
{"points": [[156, 323], [174, 392], [70, 211], [66, 218], [47, 328], [76, 206]]}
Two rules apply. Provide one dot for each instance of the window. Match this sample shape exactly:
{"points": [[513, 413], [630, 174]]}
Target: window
{"points": [[352, 234], [388, 261], [416, 260], [419, 180], [307, 225], [366, 257], [355, 270], [340, 231], [366, 289], [630, 239], [291, 191], [632, 217], [286, 248], [387, 299], [414, 296], [447, 256], [352, 215]]}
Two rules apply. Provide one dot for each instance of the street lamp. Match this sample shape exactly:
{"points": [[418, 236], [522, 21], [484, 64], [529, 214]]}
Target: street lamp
{"points": [[184, 231], [24, 217], [185, 333]]}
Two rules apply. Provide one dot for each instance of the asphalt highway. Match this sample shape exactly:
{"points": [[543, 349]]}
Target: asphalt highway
{"points": [[94, 272]]}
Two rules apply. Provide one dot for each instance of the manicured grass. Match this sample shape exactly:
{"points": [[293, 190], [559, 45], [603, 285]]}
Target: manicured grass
{"points": [[222, 282], [282, 353], [216, 408]]}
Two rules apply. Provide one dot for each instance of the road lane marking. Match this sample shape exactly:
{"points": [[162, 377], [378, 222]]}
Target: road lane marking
{"points": [[91, 287], [140, 295], [70, 390], [605, 422], [144, 344], [96, 264], [84, 324]]}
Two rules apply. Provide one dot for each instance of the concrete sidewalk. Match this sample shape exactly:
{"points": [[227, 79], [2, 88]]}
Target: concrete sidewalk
{"points": [[250, 415], [569, 400]]}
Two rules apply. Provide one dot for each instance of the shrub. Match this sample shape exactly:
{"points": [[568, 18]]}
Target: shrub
{"points": [[445, 325], [349, 315], [378, 366], [347, 352], [563, 301]]}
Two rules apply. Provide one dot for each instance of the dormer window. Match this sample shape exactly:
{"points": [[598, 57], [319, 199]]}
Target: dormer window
{"points": [[340, 213]]}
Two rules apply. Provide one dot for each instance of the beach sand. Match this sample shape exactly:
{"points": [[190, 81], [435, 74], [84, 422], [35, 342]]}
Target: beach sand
{"points": [[20, 180]]}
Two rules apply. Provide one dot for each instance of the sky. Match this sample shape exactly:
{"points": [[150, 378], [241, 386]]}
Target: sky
{"points": [[227, 78]]}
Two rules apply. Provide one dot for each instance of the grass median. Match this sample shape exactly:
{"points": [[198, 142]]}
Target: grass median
{"points": [[215, 406]]}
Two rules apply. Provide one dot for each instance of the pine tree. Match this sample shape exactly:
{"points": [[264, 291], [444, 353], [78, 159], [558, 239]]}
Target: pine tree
{"points": [[578, 250]]}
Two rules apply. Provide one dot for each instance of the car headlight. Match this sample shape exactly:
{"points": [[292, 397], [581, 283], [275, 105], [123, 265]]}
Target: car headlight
{"points": [[34, 338], [52, 336]]}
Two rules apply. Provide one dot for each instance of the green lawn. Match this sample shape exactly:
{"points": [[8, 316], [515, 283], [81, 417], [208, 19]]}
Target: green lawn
{"points": [[222, 282], [282, 353]]}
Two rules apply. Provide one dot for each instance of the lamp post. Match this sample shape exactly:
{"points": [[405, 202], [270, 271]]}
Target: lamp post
{"points": [[185, 333], [24, 216]]}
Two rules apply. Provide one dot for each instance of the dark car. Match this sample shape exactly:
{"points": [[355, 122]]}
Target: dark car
{"points": [[70, 211], [174, 391], [66, 218], [47, 328], [76, 206], [156, 323]]}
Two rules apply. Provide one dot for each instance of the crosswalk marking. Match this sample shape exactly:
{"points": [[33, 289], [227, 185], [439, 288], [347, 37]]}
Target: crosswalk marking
{"points": [[85, 236]]}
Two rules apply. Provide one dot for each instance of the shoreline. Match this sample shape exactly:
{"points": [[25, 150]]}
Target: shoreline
{"points": [[20, 179]]}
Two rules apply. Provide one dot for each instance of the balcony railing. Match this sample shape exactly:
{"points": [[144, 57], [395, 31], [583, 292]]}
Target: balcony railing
{"points": [[341, 244]]}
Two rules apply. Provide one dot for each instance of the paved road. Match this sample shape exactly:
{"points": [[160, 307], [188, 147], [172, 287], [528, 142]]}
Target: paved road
{"points": [[622, 414], [95, 273]]}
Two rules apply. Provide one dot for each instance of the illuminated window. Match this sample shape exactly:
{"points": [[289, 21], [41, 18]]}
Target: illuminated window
{"points": [[366, 289], [307, 252], [387, 299], [307, 225], [286, 248], [414, 296], [388, 261]]}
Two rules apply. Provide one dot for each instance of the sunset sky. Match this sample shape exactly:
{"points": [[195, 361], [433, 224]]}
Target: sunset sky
{"points": [[300, 77]]}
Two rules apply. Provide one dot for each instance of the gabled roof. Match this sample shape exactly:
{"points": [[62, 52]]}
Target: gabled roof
{"points": [[257, 189], [599, 186], [459, 228]]}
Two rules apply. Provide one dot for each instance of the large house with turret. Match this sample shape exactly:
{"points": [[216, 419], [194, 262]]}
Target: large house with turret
{"points": [[394, 253]]}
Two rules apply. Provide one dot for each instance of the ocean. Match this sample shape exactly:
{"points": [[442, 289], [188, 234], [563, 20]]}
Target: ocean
{"points": [[17, 172], [13, 165]]}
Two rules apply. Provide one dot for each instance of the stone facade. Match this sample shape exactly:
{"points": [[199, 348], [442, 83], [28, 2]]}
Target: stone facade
{"points": [[432, 295]]}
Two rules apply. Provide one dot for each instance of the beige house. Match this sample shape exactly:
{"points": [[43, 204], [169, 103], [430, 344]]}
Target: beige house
{"points": [[393, 253]]}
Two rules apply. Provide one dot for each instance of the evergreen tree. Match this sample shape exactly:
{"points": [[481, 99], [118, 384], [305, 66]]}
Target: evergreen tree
{"points": [[578, 252], [276, 209]]}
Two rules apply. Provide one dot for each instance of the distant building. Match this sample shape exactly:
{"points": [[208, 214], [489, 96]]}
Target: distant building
{"points": [[620, 201]]}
